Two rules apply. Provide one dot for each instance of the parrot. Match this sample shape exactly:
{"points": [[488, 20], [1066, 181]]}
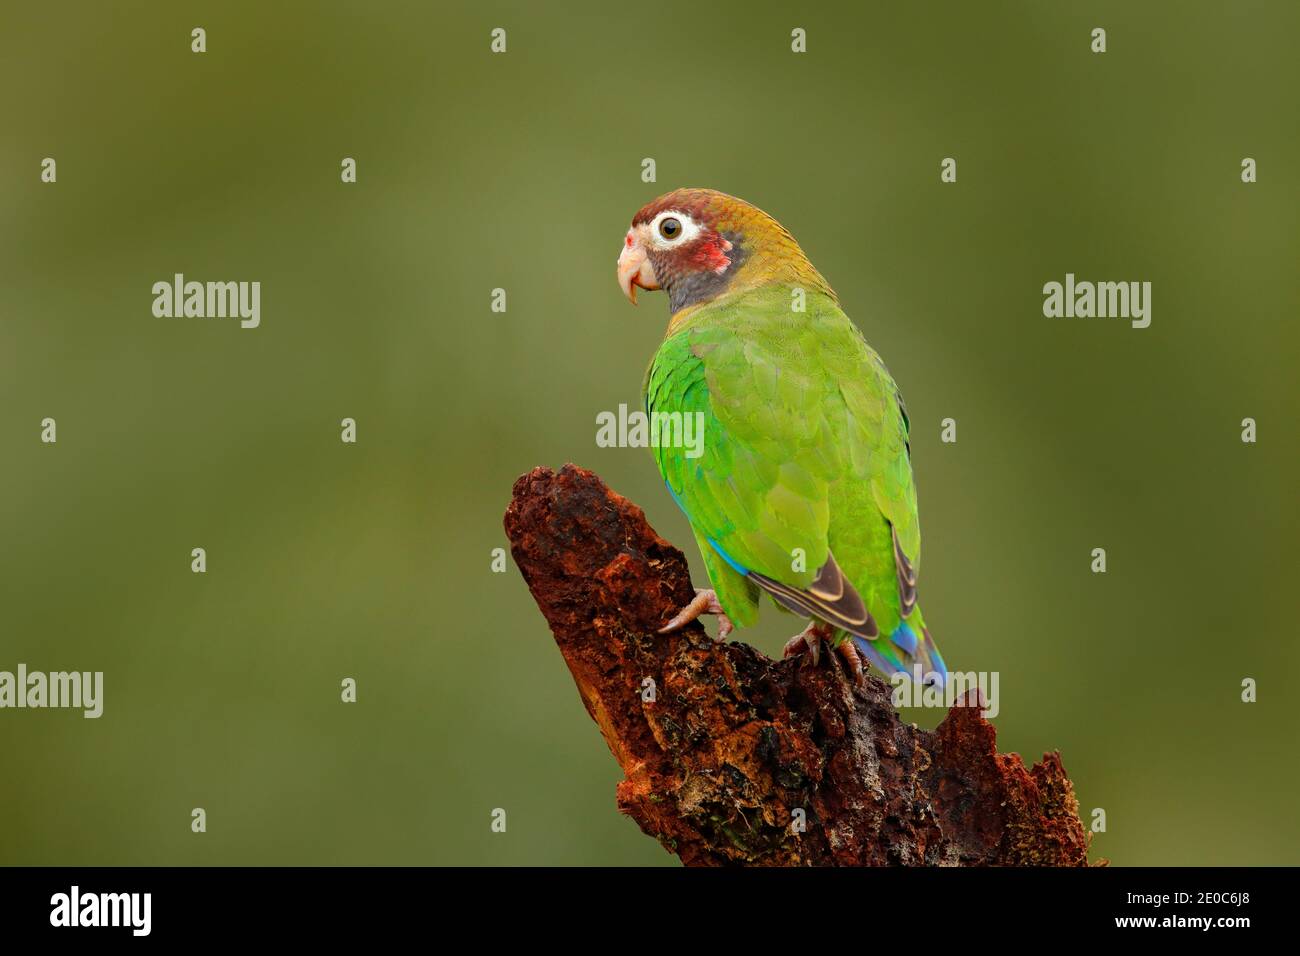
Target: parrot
{"points": [[802, 488]]}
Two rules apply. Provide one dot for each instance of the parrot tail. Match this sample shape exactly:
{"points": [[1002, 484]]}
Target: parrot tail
{"points": [[903, 651]]}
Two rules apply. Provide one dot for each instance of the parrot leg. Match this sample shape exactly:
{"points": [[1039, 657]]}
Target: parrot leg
{"points": [[704, 602], [853, 661], [810, 639]]}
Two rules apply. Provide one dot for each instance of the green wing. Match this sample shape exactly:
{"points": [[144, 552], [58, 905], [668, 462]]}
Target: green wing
{"points": [[804, 477]]}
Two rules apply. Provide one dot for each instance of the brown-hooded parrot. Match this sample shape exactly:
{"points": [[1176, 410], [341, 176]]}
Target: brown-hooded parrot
{"points": [[802, 489]]}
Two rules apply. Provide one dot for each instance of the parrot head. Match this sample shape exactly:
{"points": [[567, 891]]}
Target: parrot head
{"points": [[698, 244]]}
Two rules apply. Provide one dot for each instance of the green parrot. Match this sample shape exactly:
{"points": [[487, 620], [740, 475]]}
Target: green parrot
{"points": [[801, 488]]}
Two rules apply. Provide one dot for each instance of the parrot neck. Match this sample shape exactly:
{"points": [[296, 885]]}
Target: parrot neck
{"points": [[784, 299], [753, 268]]}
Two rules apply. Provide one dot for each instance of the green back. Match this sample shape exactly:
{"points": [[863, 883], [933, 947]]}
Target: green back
{"points": [[805, 446]]}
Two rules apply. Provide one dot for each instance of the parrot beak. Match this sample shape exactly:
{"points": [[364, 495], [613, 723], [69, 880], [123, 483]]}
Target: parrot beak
{"points": [[635, 269]]}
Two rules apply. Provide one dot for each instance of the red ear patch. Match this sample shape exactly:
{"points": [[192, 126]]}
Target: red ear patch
{"points": [[710, 252]]}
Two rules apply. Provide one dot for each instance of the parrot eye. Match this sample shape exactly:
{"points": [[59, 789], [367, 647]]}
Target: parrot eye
{"points": [[670, 228]]}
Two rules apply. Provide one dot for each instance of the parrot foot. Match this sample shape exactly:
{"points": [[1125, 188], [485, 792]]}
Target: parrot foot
{"points": [[811, 639], [852, 660], [704, 602]]}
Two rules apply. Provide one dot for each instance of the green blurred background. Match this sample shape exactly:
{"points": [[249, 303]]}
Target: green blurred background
{"points": [[522, 171]]}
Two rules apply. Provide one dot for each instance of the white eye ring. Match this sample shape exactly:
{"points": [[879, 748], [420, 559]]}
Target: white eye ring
{"points": [[689, 230]]}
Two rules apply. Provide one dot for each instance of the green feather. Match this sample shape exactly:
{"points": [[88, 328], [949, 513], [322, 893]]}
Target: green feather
{"points": [[805, 447]]}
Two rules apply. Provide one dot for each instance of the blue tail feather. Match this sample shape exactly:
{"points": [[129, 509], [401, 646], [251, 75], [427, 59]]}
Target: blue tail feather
{"points": [[903, 652]]}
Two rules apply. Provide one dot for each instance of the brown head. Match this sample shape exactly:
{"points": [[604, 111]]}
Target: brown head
{"points": [[698, 244]]}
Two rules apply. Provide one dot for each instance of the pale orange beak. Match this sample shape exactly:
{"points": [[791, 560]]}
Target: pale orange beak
{"points": [[634, 268]]}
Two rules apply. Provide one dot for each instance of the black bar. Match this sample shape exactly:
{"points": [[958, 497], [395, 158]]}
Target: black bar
{"points": [[940, 906]]}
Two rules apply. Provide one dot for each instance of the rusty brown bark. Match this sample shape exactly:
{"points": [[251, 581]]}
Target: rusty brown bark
{"points": [[734, 743]]}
